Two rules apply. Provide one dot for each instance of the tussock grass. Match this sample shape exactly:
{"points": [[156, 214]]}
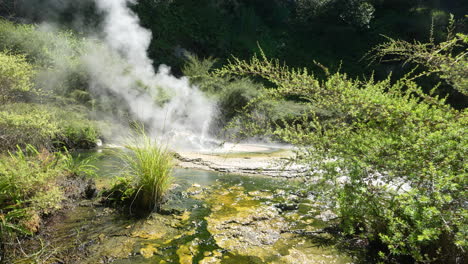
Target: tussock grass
{"points": [[147, 174]]}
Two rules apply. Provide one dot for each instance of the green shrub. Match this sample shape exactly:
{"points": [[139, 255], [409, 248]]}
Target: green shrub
{"points": [[28, 189], [232, 94], [235, 95], [392, 158], [46, 126], [147, 175], [22, 124], [57, 56], [41, 47], [15, 77], [447, 60], [34, 184]]}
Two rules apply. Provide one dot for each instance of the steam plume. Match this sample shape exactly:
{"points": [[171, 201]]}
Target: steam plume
{"points": [[187, 112]]}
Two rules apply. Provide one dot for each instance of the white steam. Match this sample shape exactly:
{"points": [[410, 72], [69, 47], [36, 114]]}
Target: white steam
{"points": [[186, 114]]}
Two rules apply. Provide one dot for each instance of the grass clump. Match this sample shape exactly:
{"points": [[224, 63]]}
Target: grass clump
{"points": [[147, 175]]}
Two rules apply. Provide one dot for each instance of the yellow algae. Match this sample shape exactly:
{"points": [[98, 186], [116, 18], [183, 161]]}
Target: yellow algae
{"points": [[185, 256], [172, 239], [260, 195], [101, 237], [194, 189], [148, 251], [186, 252], [210, 260], [117, 247], [149, 234], [190, 232], [184, 217]]}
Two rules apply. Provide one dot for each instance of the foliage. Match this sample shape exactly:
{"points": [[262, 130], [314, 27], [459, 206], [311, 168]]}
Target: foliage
{"points": [[56, 55], [28, 189], [358, 13], [41, 46], [15, 77], [447, 59], [45, 126], [335, 32], [35, 127], [393, 156], [32, 186], [147, 174], [232, 94]]}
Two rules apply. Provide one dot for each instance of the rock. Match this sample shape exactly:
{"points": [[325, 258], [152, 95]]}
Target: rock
{"points": [[114, 247], [90, 190], [326, 216], [243, 225], [287, 207]]}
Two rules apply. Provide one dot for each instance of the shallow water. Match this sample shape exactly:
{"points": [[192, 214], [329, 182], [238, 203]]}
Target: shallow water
{"points": [[216, 218]]}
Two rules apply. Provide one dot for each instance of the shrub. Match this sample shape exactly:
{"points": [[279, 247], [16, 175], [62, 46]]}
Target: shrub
{"points": [[147, 175], [56, 54], [40, 46], [391, 158], [447, 60], [15, 77], [22, 124], [45, 126], [34, 184], [232, 94], [28, 189]]}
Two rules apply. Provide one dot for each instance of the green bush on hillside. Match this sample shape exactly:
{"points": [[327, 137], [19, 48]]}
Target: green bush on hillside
{"points": [[392, 158], [36, 127], [40, 46], [16, 76], [28, 189], [55, 54], [45, 126]]}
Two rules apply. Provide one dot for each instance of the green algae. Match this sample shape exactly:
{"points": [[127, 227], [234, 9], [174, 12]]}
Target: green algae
{"points": [[216, 218]]}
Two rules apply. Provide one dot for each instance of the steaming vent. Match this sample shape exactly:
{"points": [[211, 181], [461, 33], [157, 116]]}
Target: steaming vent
{"points": [[170, 107]]}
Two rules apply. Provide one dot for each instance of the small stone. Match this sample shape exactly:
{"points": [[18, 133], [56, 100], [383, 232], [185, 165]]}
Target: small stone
{"points": [[326, 216]]}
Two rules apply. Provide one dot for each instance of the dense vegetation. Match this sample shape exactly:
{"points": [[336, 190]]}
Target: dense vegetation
{"points": [[334, 32], [34, 184], [36, 179], [391, 157], [380, 121]]}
